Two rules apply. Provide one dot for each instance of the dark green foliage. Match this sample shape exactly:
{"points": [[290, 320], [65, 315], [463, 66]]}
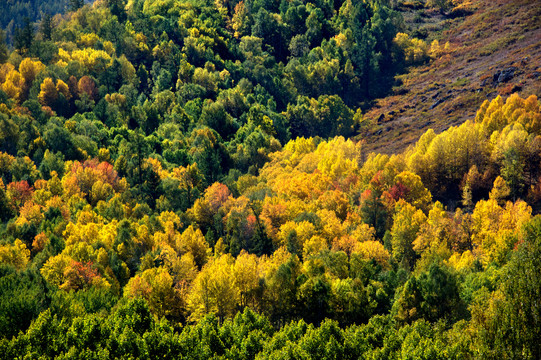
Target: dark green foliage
{"points": [[314, 297], [514, 327], [329, 117], [431, 296], [215, 117], [23, 295], [9, 134], [58, 139], [6, 211], [14, 12], [117, 8], [92, 301], [209, 153], [3, 47], [46, 26], [35, 108], [24, 36], [112, 77], [75, 5], [513, 172], [374, 213], [267, 28]]}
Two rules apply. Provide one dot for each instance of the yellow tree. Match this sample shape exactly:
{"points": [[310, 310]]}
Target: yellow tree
{"points": [[13, 84], [171, 224], [48, 93], [17, 254], [293, 235], [436, 237], [29, 69], [416, 193], [495, 228], [63, 88], [331, 225], [314, 246], [75, 268], [156, 286], [214, 290], [500, 191], [192, 241], [373, 250], [495, 115], [246, 278], [407, 222]]}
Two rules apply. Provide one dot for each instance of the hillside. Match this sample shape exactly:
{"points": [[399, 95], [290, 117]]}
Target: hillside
{"points": [[193, 179], [494, 36]]}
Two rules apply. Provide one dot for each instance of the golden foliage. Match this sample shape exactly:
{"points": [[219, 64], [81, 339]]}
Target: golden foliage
{"points": [[48, 93], [214, 290], [16, 255], [373, 250], [157, 287], [416, 51]]}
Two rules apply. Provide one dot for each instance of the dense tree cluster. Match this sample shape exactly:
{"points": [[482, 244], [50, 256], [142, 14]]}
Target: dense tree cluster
{"points": [[317, 234], [176, 179]]}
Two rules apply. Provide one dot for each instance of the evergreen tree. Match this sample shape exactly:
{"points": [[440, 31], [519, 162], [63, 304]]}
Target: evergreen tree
{"points": [[47, 26], [3, 47], [24, 36], [117, 8], [75, 5]]}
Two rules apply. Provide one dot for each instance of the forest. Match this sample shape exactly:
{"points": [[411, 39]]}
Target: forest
{"points": [[17, 13], [183, 179]]}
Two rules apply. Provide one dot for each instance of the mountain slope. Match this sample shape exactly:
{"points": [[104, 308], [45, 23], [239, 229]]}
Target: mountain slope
{"points": [[497, 36]]}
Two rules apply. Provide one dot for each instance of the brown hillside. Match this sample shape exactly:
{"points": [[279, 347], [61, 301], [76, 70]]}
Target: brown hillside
{"points": [[495, 50]]}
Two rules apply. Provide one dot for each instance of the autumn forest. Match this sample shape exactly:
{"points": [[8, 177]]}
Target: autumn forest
{"points": [[194, 179]]}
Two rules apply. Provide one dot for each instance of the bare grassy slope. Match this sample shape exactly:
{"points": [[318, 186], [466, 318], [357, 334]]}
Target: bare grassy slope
{"points": [[493, 51]]}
